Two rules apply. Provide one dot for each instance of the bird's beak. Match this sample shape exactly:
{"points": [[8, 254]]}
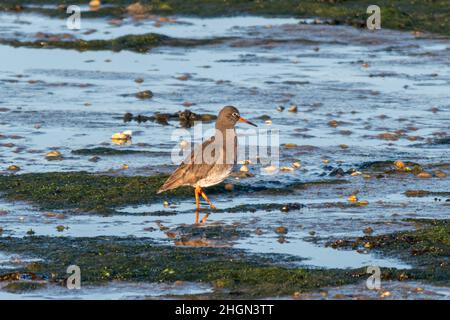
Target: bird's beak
{"points": [[246, 121]]}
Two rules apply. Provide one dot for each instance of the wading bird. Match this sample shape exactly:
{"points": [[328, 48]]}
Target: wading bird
{"points": [[211, 161]]}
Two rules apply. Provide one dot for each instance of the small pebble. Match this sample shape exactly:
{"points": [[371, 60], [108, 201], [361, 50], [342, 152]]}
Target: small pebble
{"points": [[184, 144], [363, 203], [53, 155], [297, 164], [229, 187], [424, 175], [400, 165], [440, 174], [244, 168], [281, 230], [270, 169], [293, 108]]}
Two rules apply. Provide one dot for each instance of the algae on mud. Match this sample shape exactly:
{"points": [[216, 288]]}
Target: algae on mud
{"points": [[232, 272], [431, 16], [81, 190], [100, 193], [427, 248], [103, 151], [131, 42]]}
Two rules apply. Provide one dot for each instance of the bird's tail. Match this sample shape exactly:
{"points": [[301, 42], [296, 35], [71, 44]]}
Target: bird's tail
{"points": [[170, 183]]}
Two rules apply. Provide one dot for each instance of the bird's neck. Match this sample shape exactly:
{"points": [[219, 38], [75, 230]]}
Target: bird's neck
{"points": [[225, 133]]}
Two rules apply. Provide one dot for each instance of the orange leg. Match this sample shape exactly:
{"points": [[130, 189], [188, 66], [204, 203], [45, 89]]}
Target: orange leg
{"points": [[197, 191], [197, 203], [204, 218], [207, 200]]}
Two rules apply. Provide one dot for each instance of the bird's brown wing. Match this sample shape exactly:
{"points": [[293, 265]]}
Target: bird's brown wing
{"points": [[192, 169]]}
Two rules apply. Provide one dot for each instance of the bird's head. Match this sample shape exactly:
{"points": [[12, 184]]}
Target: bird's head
{"points": [[229, 116]]}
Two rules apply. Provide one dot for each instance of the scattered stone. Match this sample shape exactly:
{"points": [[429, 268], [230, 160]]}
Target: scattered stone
{"points": [[229, 187], [389, 136], [13, 168], [184, 144], [297, 164], [136, 9], [362, 203], [440, 174], [281, 230], [333, 123], [270, 169], [400, 165], [94, 159], [122, 137], [53, 155], [368, 230], [281, 239], [244, 168], [188, 104], [146, 94], [424, 175], [60, 228], [184, 77], [293, 108]]}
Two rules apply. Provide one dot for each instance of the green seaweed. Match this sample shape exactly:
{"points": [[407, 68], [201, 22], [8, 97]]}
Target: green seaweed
{"points": [[137, 43], [100, 193], [102, 151], [22, 287], [429, 16], [427, 248], [230, 271], [82, 190]]}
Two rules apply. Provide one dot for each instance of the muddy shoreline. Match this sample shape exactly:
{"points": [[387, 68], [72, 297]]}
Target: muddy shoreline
{"points": [[401, 15], [362, 123]]}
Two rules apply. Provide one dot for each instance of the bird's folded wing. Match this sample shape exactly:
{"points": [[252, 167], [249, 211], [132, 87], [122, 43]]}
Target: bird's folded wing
{"points": [[194, 168]]}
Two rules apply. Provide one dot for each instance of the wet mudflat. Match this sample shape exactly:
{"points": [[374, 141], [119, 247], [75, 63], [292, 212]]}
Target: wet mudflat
{"points": [[363, 121]]}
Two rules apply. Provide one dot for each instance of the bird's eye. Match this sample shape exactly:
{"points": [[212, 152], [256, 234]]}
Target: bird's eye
{"points": [[236, 115]]}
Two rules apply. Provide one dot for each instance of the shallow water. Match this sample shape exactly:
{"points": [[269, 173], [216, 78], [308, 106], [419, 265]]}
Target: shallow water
{"points": [[111, 291], [371, 83]]}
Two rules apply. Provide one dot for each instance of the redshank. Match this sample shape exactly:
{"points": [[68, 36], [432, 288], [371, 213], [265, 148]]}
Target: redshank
{"points": [[211, 161]]}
